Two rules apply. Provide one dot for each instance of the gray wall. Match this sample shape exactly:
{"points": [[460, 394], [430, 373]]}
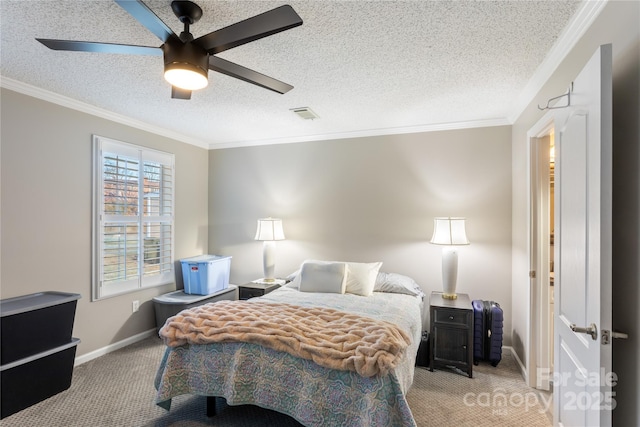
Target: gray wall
{"points": [[371, 199], [46, 211], [617, 24]]}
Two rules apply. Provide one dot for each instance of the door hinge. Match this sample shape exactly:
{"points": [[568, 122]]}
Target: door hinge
{"points": [[607, 335], [532, 274]]}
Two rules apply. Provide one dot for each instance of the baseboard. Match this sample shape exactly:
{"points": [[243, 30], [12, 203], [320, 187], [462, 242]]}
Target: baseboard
{"points": [[113, 347], [523, 369]]}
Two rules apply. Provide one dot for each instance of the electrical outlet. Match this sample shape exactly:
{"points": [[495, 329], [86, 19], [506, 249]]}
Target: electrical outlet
{"points": [[136, 305]]}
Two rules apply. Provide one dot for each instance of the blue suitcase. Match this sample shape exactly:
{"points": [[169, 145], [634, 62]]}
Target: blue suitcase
{"points": [[488, 319]]}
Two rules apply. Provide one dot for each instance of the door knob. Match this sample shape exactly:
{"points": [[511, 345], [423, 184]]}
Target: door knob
{"points": [[592, 330], [607, 335], [619, 335]]}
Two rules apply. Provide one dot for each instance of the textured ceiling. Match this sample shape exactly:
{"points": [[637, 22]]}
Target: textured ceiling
{"points": [[364, 67]]}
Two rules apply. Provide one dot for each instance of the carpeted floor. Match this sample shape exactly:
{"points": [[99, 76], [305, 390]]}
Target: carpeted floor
{"points": [[117, 390]]}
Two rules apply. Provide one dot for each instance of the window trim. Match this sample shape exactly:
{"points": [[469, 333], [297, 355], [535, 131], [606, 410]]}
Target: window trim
{"points": [[98, 291]]}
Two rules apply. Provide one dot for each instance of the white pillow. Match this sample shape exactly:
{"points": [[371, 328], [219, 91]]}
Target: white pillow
{"points": [[361, 277], [323, 277]]}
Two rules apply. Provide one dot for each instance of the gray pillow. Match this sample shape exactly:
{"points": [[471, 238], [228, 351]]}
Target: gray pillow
{"points": [[398, 284]]}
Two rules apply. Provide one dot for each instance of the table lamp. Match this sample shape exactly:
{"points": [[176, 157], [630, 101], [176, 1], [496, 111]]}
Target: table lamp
{"points": [[269, 230], [449, 232]]}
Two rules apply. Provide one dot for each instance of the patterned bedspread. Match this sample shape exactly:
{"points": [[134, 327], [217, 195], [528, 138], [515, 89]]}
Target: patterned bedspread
{"points": [[246, 373]]}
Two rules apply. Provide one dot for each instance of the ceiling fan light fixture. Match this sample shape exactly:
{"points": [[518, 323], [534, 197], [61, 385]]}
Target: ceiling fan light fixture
{"points": [[185, 76], [186, 65]]}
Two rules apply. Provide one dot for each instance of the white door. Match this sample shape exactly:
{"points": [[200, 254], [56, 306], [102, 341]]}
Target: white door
{"points": [[582, 360]]}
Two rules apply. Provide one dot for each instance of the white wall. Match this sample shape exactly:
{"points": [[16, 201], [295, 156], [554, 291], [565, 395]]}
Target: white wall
{"points": [[371, 199], [46, 212], [619, 24]]}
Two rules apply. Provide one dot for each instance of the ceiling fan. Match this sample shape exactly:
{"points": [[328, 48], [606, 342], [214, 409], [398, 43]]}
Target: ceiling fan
{"points": [[187, 60]]}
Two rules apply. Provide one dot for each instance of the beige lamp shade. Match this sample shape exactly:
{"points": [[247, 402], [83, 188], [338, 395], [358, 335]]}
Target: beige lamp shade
{"points": [[269, 229], [449, 231]]}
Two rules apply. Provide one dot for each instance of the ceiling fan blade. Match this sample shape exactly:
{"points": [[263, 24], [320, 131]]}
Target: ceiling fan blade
{"points": [[239, 72], [146, 17], [177, 93], [79, 46], [274, 21]]}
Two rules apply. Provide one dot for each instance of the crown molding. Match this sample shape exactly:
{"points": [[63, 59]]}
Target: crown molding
{"points": [[64, 101], [365, 133], [575, 29]]}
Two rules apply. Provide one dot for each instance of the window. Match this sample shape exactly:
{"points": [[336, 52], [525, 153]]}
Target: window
{"points": [[133, 207]]}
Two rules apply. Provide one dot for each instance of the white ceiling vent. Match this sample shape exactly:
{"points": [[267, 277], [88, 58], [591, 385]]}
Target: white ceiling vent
{"points": [[305, 113]]}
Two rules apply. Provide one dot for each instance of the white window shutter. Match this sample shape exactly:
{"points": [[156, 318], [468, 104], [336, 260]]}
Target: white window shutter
{"points": [[133, 217]]}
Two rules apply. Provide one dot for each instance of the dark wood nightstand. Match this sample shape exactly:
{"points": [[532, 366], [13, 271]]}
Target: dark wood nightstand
{"points": [[451, 332], [251, 289]]}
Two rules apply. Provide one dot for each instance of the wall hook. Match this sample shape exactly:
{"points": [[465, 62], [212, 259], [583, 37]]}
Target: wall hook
{"points": [[550, 107]]}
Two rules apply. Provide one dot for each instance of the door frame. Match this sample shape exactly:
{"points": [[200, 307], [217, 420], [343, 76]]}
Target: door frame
{"points": [[538, 364]]}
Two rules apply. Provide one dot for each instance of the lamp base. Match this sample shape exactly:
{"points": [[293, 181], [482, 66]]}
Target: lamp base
{"points": [[269, 260], [449, 272]]}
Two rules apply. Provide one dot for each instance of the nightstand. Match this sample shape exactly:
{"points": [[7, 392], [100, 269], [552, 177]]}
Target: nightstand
{"points": [[251, 289], [451, 332]]}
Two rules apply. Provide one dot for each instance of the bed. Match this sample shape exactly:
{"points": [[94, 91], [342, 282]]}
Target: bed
{"points": [[249, 373]]}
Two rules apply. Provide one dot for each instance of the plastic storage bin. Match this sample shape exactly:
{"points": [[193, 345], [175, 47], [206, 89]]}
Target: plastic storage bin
{"points": [[170, 304], [205, 274], [35, 323], [33, 379]]}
